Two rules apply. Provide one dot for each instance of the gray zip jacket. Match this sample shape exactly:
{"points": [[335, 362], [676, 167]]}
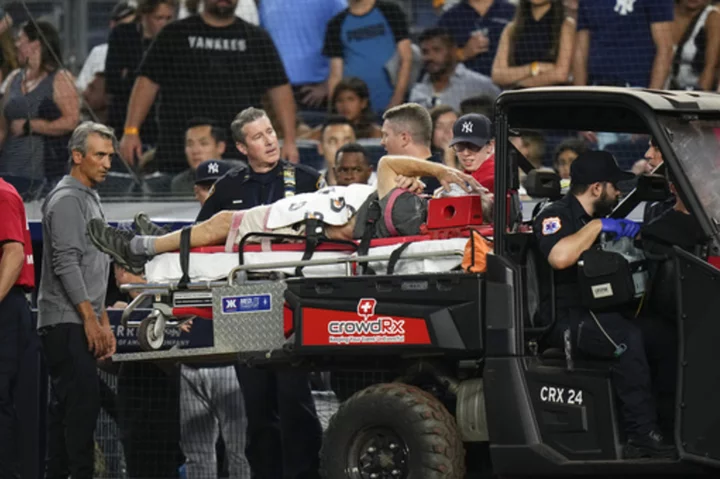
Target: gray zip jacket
{"points": [[73, 270]]}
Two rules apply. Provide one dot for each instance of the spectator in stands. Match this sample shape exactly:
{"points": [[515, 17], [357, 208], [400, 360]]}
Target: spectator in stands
{"points": [[266, 178], [536, 47], [299, 40], [212, 64], [625, 43], [95, 100], [122, 12], [8, 55], [446, 82], [532, 146], [206, 174], [443, 118], [477, 26], [696, 34], [245, 9], [204, 141], [565, 154], [352, 166], [336, 132], [351, 100], [474, 144], [126, 46], [361, 41], [40, 109], [481, 105], [72, 321]]}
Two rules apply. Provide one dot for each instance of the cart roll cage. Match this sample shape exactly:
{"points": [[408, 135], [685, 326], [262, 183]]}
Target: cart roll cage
{"points": [[598, 109]]}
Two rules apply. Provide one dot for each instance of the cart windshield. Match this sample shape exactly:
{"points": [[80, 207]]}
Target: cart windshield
{"points": [[697, 146]]}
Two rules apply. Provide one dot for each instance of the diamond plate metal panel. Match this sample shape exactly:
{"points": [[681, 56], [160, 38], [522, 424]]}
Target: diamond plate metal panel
{"points": [[234, 333]]}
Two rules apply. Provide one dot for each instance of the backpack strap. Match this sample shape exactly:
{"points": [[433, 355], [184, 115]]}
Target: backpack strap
{"points": [[368, 233], [387, 214], [395, 256]]}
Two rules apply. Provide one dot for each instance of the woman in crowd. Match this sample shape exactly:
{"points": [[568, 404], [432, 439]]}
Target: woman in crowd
{"points": [[126, 47], [565, 154], [536, 47], [40, 110], [696, 34], [443, 118], [351, 99]]}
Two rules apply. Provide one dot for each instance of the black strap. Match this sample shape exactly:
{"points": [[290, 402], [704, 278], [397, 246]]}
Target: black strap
{"points": [[314, 235], [374, 213], [185, 257], [395, 256]]}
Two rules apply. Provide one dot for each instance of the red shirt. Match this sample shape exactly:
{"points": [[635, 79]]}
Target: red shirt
{"points": [[14, 227], [485, 175]]}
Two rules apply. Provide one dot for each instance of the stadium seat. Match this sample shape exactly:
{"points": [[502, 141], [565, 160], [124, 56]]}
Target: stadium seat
{"points": [[312, 118], [309, 154]]}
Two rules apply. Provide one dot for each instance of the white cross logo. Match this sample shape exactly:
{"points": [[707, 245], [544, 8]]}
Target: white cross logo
{"points": [[214, 168], [623, 7], [467, 127], [366, 307]]}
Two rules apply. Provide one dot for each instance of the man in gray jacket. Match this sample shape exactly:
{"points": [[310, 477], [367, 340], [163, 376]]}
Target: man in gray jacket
{"points": [[72, 321]]}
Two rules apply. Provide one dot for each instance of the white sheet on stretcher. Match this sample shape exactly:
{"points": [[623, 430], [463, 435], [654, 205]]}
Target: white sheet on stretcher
{"points": [[213, 266]]}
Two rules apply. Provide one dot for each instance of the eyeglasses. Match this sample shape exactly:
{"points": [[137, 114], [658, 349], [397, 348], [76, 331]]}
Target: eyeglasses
{"points": [[471, 147]]}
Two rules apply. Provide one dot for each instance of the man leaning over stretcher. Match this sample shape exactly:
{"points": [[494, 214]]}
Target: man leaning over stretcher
{"points": [[342, 210]]}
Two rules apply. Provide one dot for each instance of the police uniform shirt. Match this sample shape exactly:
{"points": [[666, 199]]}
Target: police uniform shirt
{"points": [[556, 221], [241, 188]]}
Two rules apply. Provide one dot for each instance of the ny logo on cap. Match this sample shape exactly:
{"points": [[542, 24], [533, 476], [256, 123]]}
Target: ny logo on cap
{"points": [[467, 127], [213, 168]]}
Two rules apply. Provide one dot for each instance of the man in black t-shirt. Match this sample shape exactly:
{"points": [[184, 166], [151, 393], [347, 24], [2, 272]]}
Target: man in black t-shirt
{"points": [[213, 65]]}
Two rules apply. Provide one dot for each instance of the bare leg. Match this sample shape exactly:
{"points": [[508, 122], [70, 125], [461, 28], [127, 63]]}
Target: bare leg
{"points": [[211, 232]]}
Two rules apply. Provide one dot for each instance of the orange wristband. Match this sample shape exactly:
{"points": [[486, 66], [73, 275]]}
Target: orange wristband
{"points": [[131, 130]]}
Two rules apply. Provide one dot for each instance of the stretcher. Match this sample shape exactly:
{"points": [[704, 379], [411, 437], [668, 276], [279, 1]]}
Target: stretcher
{"points": [[243, 291]]}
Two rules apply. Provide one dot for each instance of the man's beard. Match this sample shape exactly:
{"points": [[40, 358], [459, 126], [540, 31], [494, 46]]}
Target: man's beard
{"points": [[604, 205], [219, 11]]}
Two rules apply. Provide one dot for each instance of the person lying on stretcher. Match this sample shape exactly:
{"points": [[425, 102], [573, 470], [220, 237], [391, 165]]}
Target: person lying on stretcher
{"points": [[343, 211]]}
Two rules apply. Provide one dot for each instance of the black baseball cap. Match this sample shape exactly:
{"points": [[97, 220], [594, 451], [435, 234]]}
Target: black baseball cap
{"points": [[122, 10], [593, 166], [472, 128], [211, 170]]}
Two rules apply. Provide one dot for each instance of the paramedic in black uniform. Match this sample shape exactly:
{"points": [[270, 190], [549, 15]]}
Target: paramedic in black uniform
{"points": [[564, 230], [267, 178], [279, 405]]}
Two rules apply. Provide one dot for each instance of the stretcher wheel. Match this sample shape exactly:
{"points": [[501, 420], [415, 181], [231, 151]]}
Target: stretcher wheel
{"points": [[148, 336]]}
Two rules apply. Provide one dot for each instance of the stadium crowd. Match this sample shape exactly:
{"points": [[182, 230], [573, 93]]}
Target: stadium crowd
{"points": [[198, 96]]}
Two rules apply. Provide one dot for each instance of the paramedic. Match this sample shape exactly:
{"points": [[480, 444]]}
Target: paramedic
{"points": [[267, 179], [72, 321], [17, 277], [564, 230]]}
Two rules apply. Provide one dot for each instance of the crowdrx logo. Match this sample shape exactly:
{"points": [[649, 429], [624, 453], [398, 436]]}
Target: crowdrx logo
{"points": [[367, 329]]}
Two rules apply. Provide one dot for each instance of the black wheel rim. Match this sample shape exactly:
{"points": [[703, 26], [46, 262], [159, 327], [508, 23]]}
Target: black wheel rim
{"points": [[377, 453]]}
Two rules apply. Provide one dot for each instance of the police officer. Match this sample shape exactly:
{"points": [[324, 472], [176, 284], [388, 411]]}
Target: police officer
{"points": [[564, 230], [267, 178], [283, 430], [17, 277]]}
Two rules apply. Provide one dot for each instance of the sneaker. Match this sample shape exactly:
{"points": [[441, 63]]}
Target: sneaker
{"points": [[145, 227], [650, 445], [115, 243]]}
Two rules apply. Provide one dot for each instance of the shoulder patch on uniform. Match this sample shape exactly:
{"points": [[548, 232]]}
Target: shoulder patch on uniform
{"points": [[321, 183], [551, 225]]}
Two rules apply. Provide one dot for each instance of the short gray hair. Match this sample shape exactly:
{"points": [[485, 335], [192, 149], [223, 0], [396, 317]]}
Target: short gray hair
{"points": [[413, 119], [78, 140], [248, 115]]}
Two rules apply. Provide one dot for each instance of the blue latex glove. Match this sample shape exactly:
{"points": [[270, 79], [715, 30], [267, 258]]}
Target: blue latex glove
{"points": [[620, 227]]}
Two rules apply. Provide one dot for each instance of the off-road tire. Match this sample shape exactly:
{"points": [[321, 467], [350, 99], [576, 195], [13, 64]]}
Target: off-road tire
{"points": [[434, 447]]}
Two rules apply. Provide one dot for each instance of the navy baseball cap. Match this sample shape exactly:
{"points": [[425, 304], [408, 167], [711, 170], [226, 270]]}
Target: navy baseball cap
{"points": [[211, 170], [472, 128], [594, 166]]}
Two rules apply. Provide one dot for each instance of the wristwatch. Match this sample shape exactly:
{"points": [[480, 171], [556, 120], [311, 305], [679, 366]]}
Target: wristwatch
{"points": [[534, 69]]}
